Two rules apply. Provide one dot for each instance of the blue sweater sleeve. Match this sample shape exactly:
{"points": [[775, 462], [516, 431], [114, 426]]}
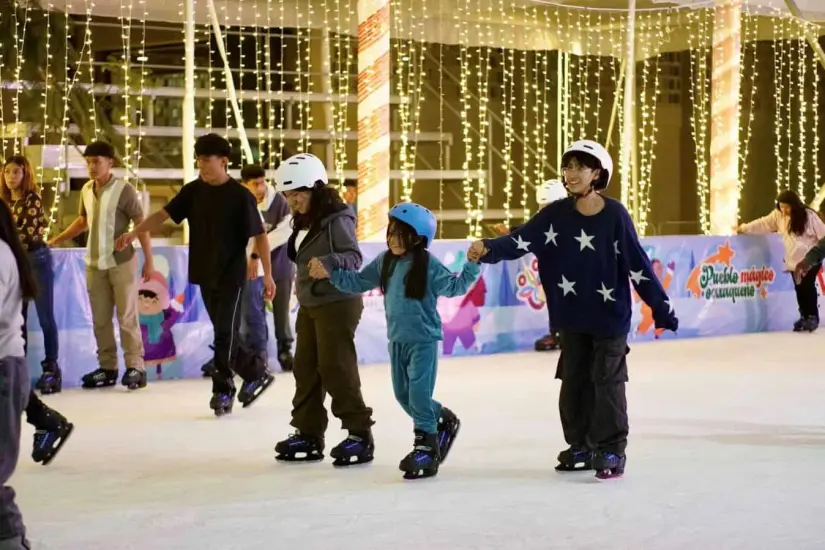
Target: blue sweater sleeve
{"points": [[525, 238], [446, 283], [356, 282], [637, 263]]}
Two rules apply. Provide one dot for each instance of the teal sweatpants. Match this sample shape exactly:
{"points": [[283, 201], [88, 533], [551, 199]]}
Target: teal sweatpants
{"points": [[414, 369]]}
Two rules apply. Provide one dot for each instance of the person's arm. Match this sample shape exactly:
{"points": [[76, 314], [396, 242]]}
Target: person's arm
{"points": [[528, 237], [645, 282], [446, 283], [816, 254], [280, 234], [345, 253], [356, 282], [78, 226], [134, 210], [762, 226]]}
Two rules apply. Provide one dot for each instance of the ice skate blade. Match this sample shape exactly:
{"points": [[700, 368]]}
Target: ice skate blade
{"points": [[420, 474], [604, 475], [57, 448], [46, 391], [99, 385], [292, 459], [566, 469], [257, 393], [352, 461]]}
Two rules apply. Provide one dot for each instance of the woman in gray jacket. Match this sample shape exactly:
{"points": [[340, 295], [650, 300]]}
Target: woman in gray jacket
{"points": [[325, 357]]}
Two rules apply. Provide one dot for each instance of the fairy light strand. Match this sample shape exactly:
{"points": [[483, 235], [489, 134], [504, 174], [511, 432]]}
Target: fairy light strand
{"points": [[698, 42], [750, 78]]}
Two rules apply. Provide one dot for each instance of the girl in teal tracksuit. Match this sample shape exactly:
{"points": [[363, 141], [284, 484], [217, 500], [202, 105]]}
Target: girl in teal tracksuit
{"points": [[411, 280]]}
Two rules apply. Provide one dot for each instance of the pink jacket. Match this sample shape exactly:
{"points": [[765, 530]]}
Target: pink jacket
{"points": [[796, 246]]}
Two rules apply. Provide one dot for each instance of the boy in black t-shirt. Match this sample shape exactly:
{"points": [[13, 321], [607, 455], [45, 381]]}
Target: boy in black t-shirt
{"points": [[222, 217]]}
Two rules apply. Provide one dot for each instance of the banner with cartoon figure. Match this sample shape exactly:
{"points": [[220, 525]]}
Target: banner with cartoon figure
{"points": [[718, 285]]}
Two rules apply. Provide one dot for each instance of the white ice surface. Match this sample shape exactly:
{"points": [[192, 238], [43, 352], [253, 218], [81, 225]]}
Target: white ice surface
{"points": [[727, 451]]}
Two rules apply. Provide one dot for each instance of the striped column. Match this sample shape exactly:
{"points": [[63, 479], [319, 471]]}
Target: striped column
{"points": [[724, 135], [373, 118]]}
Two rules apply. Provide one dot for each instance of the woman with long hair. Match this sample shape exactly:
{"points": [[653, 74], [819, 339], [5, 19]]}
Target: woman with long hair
{"points": [[19, 190], [17, 283], [325, 355], [801, 228]]}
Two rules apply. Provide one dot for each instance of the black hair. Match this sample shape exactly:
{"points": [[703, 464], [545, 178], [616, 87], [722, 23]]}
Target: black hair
{"points": [[212, 145], [252, 172], [99, 149], [323, 202], [8, 234], [415, 282], [799, 212], [147, 293], [588, 161]]}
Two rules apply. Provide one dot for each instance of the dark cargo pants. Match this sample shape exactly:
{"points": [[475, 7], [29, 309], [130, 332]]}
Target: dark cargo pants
{"points": [[14, 395]]}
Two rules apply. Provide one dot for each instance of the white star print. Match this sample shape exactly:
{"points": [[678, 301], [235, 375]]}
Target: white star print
{"points": [[606, 293], [584, 241], [521, 244], [637, 276], [551, 236], [669, 306], [616, 247], [567, 286]]}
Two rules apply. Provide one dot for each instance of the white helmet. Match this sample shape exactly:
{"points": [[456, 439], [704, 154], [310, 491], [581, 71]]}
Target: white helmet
{"points": [[301, 171], [550, 191], [596, 150]]}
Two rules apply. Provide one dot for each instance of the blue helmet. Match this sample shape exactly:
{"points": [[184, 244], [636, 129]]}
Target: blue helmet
{"points": [[416, 216]]}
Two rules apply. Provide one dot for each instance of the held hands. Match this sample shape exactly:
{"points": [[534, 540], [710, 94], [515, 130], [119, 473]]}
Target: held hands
{"points": [[317, 269], [476, 251], [501, 229], [125, 240], [800, 271]]}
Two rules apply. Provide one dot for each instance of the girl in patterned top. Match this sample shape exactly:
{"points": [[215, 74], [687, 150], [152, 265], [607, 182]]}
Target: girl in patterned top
{"points": [[19, 190]]}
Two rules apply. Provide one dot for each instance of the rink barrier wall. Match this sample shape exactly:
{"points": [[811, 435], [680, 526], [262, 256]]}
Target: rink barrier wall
{"points": [[718, 285]]}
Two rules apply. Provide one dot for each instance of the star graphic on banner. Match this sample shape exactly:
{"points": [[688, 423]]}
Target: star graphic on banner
{"points": [[669, 306], [584, 241], [616, 247], [521, 244], [567, 286], [637, 276], [551, 236], [606, 293]]}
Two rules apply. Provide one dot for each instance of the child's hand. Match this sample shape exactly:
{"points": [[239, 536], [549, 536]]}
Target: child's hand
{"points": [[800, 271], [317, 269], [476, 251]]}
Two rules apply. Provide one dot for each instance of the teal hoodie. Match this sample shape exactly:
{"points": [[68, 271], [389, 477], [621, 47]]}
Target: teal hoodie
{"points": [[409, 321]]}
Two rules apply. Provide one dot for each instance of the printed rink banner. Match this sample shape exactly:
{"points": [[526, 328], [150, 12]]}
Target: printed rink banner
{"points": [[718, 285]]}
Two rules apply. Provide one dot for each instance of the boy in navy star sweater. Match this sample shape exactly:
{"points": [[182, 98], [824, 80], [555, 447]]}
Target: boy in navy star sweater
{"points": [[588, 252]]}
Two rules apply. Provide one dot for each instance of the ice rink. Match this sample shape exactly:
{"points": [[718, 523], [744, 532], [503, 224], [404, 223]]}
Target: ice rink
{"points": [[727, 452]]}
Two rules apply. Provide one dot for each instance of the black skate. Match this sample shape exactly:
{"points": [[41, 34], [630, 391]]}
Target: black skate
{"points": [[54, 430], [134, 379], [300, 448], [222, 402], [574, 459], [423, 460], [608, 465], [250, 391], [355, 449], [285, 359], [548, 342], [809, 324], [208, 368], [100, 378], [448, 427], [51, 381], [798, 324]]}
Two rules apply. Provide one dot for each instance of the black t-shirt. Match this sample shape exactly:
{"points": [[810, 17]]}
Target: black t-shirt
{"points": [[222, 219]]}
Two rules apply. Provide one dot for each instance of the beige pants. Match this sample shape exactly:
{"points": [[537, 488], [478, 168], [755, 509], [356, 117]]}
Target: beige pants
{"points": [[110, 289]]}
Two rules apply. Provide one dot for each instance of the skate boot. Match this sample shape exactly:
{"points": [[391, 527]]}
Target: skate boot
{"points": [[50, 434], [99, 378], [300, 448], [810, 324], [357, 448], [548, 342], [208, 368], [448, 427], [250, 391], [797, 326], [51, 381], [222, 402], [424, 459], [134, 379], [574, 459], [285, 358], [608, 465]]}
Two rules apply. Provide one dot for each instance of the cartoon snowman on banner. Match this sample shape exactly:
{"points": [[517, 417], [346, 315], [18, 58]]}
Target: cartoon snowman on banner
{"points": [[157, 314]]}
